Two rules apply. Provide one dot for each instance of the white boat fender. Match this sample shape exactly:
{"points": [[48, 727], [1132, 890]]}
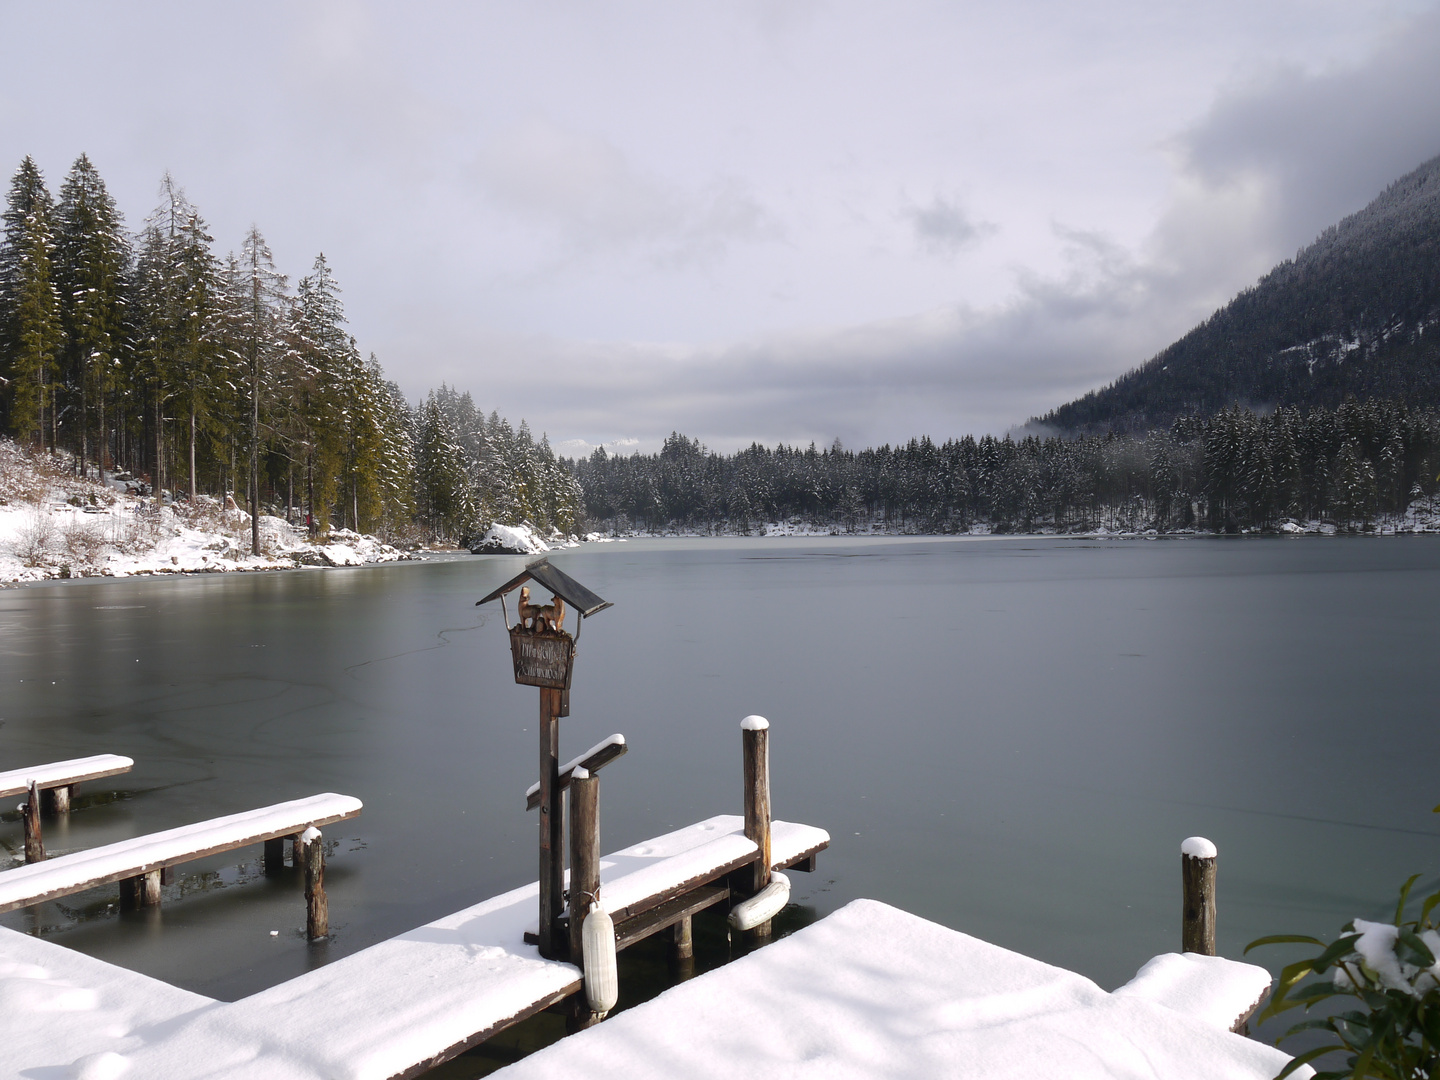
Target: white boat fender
{"points": [[602, 978], [763, 906]]}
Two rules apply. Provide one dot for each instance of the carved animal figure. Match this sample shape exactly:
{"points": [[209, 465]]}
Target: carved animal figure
{"points": [[538, 618]]}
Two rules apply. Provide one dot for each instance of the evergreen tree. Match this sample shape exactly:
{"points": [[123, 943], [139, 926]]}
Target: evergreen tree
{"points": [[30, 328], [92, 267]]}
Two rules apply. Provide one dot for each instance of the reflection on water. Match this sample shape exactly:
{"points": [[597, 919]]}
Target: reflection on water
{"points": [[1008, 736]]}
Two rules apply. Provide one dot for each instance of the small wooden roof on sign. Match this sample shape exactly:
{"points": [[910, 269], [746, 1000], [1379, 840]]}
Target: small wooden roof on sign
{"points": [[558, 582]]}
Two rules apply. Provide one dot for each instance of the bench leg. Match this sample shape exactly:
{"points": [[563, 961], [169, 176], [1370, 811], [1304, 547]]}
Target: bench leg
{"points": [[297, 851], [317, 908], [274, 856], [140, 891], [682, 948], [34, 844], [56, 800]]}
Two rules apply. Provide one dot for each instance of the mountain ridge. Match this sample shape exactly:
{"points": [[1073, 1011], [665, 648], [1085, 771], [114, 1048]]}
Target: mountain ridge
{"points": [[1355, 314]]}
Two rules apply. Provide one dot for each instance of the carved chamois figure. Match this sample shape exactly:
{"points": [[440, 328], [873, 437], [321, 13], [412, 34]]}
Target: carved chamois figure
{"points": [[538, 618]]}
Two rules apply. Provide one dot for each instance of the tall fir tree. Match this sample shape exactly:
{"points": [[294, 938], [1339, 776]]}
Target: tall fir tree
{"points": [[30, 329], [92, 268]]}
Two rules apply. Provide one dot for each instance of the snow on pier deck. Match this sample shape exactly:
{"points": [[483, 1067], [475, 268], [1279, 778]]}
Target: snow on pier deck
{"points": [[391, 1010], [873, 992]]}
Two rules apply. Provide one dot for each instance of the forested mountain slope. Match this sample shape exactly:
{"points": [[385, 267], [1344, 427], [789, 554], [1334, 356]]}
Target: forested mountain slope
{"points": [[1355, 313]]}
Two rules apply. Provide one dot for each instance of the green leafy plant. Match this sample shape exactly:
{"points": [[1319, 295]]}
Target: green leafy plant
{"points": [[1391, 971]]}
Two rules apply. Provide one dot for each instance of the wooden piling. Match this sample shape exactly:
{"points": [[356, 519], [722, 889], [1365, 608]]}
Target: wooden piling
{"points": [[755, 734], [34, 843], [274, 856], [584, 854], [56, 801], [297, 850], [1197, 877], [584, 879], [140, 891], [552, 829], [317, 907]]}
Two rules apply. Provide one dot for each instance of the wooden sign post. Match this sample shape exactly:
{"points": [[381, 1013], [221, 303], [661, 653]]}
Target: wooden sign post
{"points": [[543, 653]]}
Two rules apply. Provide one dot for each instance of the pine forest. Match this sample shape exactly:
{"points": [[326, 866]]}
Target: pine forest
{"points": [[148, 354]]}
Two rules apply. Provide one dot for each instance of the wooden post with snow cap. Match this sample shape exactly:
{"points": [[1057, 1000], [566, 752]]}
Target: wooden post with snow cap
{"points": [[1197, 876], [317, 908], [755, 733], [30, 810]]}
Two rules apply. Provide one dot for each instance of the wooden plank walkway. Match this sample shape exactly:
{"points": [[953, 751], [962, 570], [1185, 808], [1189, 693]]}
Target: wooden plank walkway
{"points": [[143, 855], [401, 1006], [56, 774]]}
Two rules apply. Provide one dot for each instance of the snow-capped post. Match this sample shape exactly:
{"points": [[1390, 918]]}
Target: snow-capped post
{"points": [[755, 735], [543, 653], [1197, 876], [34, 844], [317, 908]]}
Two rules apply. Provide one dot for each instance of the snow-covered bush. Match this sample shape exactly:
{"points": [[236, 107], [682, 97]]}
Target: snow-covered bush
{"points": [[35, 539], [1391, 969]]}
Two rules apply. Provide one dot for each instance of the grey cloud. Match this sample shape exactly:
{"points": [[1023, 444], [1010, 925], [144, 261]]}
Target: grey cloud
{"points": [[588, 191], [1273, 163], [942, 227]]}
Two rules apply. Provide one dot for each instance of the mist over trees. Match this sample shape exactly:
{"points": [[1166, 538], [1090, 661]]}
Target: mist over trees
{"points": [[147, 353]]}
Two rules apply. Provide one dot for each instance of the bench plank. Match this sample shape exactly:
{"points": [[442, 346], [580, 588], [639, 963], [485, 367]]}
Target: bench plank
{"points": [[63, 773], [82, 870]]}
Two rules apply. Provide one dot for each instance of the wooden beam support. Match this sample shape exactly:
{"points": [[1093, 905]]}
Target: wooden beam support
{"points": [[671, 913], [140, 891], [591, 764], [275, 855]]}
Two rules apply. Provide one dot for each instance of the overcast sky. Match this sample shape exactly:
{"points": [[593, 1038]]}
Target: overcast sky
{"points": [[778, 221]]}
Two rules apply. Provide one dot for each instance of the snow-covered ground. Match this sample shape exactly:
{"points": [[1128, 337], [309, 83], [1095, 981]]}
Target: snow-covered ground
{"points": [[54, 524]]}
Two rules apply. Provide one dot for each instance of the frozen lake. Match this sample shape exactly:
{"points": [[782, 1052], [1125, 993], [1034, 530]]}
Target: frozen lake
{"points": [[1008, 736]]}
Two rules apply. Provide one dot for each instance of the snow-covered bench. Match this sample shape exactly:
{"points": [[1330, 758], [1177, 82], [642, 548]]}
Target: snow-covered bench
{"points": [[57, 779], [137, 863], [1223, 993], [407, 1003]]}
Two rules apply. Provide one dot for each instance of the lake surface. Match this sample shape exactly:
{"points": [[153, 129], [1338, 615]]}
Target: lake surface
{"points": [[1009, 736]]}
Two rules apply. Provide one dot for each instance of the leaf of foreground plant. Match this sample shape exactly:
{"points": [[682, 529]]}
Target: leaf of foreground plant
{"points": [[1404, 896], [1291, 939], [1305, 1059]]}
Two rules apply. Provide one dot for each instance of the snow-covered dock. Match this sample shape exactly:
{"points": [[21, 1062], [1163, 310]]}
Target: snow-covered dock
{"points": [[392, 1010], [873, 992]]}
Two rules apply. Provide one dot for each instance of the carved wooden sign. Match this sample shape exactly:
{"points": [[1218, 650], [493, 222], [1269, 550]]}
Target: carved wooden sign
{"points": [[542, 659]]}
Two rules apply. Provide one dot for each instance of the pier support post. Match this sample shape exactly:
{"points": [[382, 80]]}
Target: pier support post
{"points": [[552, 828], [682, 949], [34, 844], [140, 891], [584, 878], [1197, 878], [755, 733], [317, 907], [274, 856], [56, 801], [297, 850]]}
